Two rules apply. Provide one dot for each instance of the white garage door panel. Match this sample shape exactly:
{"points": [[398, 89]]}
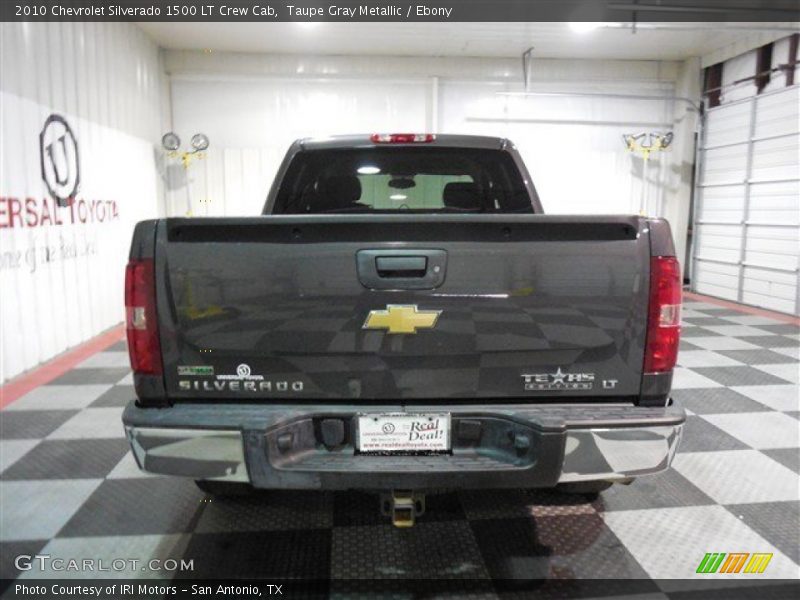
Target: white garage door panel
{"points": [[769, 289], [775, 203], [724, 204], [758, 277], [719, 242], [726, 127], [750, 175], [770, 302], [772, 246], [724, 165], [778, 114], [776, 158], [717, 280]]}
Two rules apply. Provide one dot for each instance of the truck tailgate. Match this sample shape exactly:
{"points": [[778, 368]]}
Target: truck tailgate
{"points": [[394, 308]]}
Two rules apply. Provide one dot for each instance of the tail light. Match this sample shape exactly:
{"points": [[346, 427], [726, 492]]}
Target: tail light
{"points": [[664, 316], [140, 317], [402, 138]]}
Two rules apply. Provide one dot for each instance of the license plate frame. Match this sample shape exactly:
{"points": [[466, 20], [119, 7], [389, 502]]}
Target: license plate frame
{"points": [[389, 433]]}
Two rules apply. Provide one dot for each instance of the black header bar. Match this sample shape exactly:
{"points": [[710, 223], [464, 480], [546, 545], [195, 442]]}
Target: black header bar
{"points": [[401, 10]]}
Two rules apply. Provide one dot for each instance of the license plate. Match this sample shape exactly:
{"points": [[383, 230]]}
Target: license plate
{"points": [[402, 432]]}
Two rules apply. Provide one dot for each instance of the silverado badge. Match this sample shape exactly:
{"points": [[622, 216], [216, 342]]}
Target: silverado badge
{"points": [[401, 318]]}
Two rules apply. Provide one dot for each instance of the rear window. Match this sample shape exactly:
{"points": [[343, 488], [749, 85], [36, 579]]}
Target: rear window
{"points": [[402, 179]]}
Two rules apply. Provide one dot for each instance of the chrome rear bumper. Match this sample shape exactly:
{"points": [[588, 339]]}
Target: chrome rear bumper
{"points": [[522, 446], [195, 453]]}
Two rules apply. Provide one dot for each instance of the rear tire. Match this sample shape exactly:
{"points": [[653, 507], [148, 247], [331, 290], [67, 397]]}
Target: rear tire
{"points": [[585, 488], [223, 489]]}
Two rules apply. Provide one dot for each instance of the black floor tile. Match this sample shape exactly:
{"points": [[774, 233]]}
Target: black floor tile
{"points": [[788, 457], [740, 375], [442, 507], [432, 550], [701, 436], [780, 328], [303, 554], [706, 321], [690, 332], [268, 510], [721, 312], [546, 497], [138, 507], [9, 551], [776, 522], [91, 376], [567, 546], [32, 424], [684, 346], [772, 341], [757, 357], [511, 548], [357, 508], [119, 395], [69, 459], [711, 401]]}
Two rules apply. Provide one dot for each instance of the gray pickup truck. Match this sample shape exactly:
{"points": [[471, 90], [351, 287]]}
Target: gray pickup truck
{"points": [[403, 317]]}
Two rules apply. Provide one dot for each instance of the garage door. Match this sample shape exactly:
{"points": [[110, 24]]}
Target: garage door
{"points": [[747, 220]]}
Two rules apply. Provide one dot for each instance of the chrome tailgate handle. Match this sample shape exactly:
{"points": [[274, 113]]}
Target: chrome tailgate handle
{"points": [[413, 269]]}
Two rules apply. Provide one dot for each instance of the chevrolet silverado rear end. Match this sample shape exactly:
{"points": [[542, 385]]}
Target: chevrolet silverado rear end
{"points": [[404, 317]]}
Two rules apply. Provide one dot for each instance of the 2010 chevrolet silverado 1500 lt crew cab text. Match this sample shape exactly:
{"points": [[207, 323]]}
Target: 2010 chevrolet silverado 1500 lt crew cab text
{"points": [[403, 317]]}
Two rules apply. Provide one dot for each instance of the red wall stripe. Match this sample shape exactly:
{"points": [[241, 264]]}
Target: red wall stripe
{"points": [[749, 310], [19, 386]]}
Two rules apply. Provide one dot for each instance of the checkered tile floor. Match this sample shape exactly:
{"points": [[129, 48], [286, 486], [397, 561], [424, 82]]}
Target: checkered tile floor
{"points": [[70, 488]]}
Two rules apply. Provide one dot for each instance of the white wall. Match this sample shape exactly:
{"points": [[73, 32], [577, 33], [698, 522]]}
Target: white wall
{"points": [[252, 122], [253, 106], [62, 270]]}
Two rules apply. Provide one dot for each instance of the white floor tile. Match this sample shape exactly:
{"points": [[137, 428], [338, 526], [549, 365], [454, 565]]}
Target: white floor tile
{"points": [[721, 342], [737, 330], [12, 450], [686, 378], [36, 510], [688, 313], [760, 430], [127, 380], [106, 360], [59, 397], [141, 548], [777, 397], [787, 371], [790, 351], [738, 476], [705, 358], [92, 423], [684, 535]]}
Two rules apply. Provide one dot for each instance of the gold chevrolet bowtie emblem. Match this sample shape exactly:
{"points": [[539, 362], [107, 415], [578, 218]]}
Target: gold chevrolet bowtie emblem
{"points": [[401, 318]]}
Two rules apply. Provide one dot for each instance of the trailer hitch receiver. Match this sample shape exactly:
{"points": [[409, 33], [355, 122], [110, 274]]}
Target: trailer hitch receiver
{"points": [[403, 506]]}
